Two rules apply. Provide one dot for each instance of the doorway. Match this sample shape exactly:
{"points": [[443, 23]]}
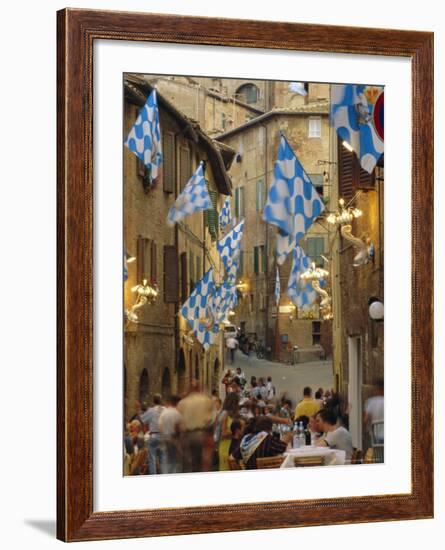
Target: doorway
{"points": [[355, 390]]}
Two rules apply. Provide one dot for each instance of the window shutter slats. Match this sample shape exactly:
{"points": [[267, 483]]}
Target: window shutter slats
{"points": [[346, 171], [168, 165], [184, 166], [153, 262], [140, 259], [184, 281], [171, 278]]}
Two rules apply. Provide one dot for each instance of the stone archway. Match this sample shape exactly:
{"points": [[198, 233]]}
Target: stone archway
{"points": [[166, 386], [181, 373], [143, 386], [215, 375]]}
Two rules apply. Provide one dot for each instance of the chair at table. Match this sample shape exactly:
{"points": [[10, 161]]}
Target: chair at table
{"points": [[357, 456], [304, 461], [269, 462], [377, 441], [234, 464]]}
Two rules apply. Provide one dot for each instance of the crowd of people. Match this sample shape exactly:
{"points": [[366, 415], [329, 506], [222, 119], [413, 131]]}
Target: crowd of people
{"points": [[200, 432]]}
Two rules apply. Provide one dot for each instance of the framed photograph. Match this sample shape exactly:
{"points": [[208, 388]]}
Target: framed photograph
{"points": [[245, 263]]}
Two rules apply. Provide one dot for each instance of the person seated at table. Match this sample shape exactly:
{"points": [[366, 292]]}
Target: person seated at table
{"points": [[335, 436], [260, 443], [314, 428], [236, 428], [307, 406]]}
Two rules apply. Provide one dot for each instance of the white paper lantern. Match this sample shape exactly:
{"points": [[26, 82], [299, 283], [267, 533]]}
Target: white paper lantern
{"points": [[376, 310]]}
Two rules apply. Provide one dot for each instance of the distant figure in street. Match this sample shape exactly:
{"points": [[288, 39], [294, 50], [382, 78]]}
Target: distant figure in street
{"points": [[270, 389], [231, 344], [336, 437], [227, 380], [170, 424], [155, 441], [374, 414], [308, 406], [198, 418], [241, 376]]}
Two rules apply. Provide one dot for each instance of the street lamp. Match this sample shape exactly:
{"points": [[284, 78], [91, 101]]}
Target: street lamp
{"points": [[343, 218], [146, 294], [314, 275], [376, 309]]}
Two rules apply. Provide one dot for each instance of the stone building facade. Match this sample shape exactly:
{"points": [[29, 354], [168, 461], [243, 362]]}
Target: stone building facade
{"points": [[204, 100], [256, 144], [358, 340], [160, 354]]}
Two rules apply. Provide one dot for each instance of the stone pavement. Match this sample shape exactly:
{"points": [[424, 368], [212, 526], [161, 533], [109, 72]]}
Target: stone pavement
{"points": [[287, 378]]}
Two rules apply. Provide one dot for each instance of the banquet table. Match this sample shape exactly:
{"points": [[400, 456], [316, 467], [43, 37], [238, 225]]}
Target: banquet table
{"points": [[331, 456]]}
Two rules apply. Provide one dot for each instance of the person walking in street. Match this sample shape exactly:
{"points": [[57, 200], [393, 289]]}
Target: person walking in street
{"points": [[170, 424], [156, 451], [231, 344]]}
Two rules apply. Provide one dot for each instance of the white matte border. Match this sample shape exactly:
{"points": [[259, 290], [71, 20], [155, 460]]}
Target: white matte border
{"points": [[111, 490]]}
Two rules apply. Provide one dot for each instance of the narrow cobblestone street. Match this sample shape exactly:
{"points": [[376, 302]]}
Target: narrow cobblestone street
{"points": [[290, 379]]}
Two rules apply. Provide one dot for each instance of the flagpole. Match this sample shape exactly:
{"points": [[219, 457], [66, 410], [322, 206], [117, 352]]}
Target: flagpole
{"points": [[277, 333]]}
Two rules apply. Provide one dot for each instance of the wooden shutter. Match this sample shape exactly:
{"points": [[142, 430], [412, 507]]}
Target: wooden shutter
{"points": [[241, 263], [153, 262], [184, 166], [171, 279], [346, 180], [184, 281], [168, 165], [191, 268], [198, 268], [263, 259], [255, 259], [365, 180], [211, 218], [141, 259], [351, 175]]}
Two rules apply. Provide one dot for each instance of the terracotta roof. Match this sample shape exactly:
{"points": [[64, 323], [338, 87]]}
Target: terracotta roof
{"points": [[320, 108]]}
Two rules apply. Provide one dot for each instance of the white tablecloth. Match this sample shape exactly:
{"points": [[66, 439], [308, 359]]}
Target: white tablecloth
{"points": [[331, 456]]}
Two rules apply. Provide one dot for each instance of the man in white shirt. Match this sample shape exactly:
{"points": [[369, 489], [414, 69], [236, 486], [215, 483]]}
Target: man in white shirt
{"points": [[374, 415], [336, 437], [232, 344], [170, 425], [155, 443]]}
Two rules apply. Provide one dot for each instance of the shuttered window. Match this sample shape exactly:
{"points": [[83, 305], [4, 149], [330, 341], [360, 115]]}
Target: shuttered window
{"points": [[192, 269], [146, 258], [184, 166], [184, 281], [260, 195], [259, 259], [239, 202], [315, 248], [171, 278], [351, 175], [153, 262], [241, 263], [168, 164], [198, 268], [211, 218]]}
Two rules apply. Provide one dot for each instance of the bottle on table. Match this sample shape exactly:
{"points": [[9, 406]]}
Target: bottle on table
{"points": [[301, 435], [296, 438]]}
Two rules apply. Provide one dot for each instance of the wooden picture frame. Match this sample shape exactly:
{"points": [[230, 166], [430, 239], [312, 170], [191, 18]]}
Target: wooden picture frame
{"points": [[77, 31]]}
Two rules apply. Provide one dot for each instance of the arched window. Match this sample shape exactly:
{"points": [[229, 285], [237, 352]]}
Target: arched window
{"points": [[181, 373], [143, 386], [248, 93], [196, 368], [166, 384]]}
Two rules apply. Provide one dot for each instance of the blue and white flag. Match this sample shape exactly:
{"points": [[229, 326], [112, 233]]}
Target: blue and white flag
{"points": [[125, 266], [194, 197], [144, 138], [224, 299], [225, 216], [198, 312], [299, 291], [277, 287], [297, 88], [357, 115], [229, 247], [293, 203]]}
